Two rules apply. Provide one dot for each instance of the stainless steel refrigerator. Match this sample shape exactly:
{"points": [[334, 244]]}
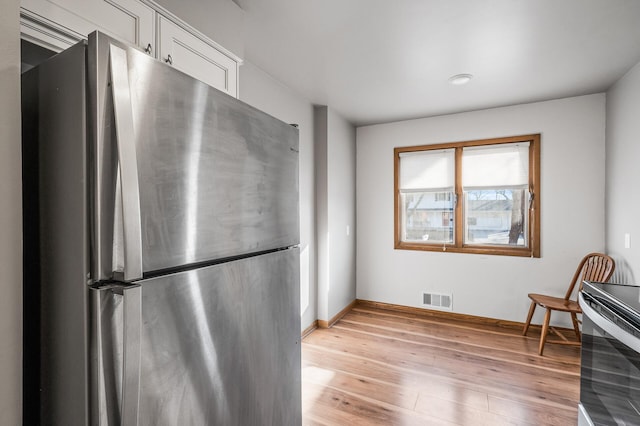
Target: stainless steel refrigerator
{"points": [[161, 247]]}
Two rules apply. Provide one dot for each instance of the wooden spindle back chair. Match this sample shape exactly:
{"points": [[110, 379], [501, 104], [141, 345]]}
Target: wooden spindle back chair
{"points": [[593, 267]]}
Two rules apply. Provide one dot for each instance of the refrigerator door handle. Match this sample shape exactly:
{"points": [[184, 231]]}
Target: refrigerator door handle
{"points": [[127, 160], [131, 356]]}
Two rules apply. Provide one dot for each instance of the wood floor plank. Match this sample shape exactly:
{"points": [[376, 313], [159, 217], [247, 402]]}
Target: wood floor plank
{"points": [[389, 393], [536, 414], [342, 408], [341, 361], [507, 339], [462, 415], [377, 366], [470, 367], [499, 337], [460, 343]]}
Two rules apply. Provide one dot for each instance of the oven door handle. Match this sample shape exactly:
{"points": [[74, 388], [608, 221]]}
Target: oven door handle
{"points": [[608, 326]]}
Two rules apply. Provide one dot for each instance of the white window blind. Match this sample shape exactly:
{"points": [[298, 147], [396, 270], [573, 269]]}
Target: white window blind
{"points": [[427, 170], [497, 166]]}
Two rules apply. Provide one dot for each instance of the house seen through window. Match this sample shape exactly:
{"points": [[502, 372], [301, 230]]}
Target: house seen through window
{"points": [[476, 196]]}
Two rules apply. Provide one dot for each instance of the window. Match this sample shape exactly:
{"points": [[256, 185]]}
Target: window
{"points": [[474, 197]]}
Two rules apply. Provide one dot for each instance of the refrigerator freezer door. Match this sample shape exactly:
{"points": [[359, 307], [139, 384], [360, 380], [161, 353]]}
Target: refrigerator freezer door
{"points": [[219, 345], [217, 178]]}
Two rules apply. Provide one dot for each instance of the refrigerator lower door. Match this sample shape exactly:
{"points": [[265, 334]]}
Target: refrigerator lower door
{"points": [[219, 345]]}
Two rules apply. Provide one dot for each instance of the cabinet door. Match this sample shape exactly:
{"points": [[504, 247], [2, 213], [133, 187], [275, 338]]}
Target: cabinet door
{"points": [[193, 56], [128, 20]]}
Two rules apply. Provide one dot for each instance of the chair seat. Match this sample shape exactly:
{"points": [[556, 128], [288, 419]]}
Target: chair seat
{"points": [[555, 303]]}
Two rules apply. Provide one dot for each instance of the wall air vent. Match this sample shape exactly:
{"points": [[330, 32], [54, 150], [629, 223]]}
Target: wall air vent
{"points": [[437, 301]]}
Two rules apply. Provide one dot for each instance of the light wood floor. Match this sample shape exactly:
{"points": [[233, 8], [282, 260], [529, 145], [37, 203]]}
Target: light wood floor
{"points": [[385, 367]]}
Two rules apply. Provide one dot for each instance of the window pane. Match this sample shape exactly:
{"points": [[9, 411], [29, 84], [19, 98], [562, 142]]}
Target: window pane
{"points": [[427, 170], [496, 217], [427, 217], [495, 165]]}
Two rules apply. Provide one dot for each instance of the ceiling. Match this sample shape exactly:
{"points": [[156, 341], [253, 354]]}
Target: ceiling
{"points": [[377, 61]]}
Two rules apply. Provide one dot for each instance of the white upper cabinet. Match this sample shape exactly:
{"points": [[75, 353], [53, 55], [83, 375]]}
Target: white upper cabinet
{"points": [[194, 56], [58, 23]]}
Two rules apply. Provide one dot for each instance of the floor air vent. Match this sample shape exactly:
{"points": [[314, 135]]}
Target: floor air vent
{"points": [[437, 301]]}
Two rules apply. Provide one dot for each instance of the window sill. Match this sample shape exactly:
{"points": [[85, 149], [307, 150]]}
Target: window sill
{"points": [[475, 249]]}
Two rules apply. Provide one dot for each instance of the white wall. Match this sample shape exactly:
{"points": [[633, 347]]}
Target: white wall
{"points": [[341, 172], [321, 146], [572, 203], [623, 175], [336, 216], [263, 92], [10, 218]]}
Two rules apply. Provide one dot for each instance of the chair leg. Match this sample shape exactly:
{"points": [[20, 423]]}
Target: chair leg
{"points": [[576, 328], [545, 331], [526, 325]]}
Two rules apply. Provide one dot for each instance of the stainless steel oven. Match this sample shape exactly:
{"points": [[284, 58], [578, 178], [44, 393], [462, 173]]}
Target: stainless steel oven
{"points": [[610, 365]]}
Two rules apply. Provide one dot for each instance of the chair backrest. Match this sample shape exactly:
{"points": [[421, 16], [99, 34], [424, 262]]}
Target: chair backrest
{"points": [[593, 267]]}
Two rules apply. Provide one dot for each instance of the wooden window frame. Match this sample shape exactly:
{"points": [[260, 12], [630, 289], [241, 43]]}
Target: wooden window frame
{"points": [[458, 245]]}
